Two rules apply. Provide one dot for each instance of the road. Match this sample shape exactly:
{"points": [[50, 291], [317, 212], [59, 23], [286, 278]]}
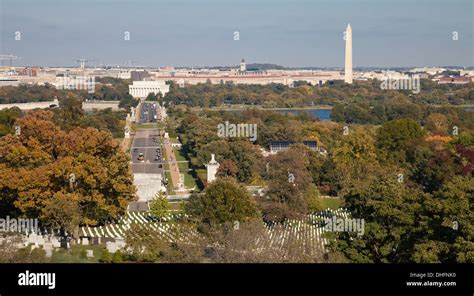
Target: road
{"points": [[146, 141], [148, 112]]}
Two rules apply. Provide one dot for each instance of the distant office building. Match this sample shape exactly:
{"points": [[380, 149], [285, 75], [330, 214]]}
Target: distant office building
{"points": [[139, 75], [75, 83], [27, 71], [466, 73], [141, 89], [429, 70], [421, 75], [243, 66], [455, 80], [9, 82]]}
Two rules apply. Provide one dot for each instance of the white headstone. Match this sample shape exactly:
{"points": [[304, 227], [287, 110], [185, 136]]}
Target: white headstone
{"points": [[111, 247], [48, 248], [120, 243], [41, 241], [55, 242], [33, 238]]}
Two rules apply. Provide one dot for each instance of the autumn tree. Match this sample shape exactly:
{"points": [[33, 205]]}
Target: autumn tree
{"points": [[437, 123], [351, 161], [431, 167], [227, 168], [49, 173], [288, 184]]}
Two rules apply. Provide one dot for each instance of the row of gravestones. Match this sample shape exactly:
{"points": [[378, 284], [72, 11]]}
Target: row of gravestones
{"points": [[50, 243], [47, 242], [112, 246]]}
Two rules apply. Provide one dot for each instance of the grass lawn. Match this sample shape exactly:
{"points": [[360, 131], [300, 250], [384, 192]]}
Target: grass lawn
{"points": [[332, 203], [189, 181], [145, 126], [175, 206], [179, 155], [202, 174], [184, 166]]}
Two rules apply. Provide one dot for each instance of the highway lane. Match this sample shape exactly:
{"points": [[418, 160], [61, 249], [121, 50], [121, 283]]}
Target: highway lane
{"points": [[148, 112], [148, 143]]}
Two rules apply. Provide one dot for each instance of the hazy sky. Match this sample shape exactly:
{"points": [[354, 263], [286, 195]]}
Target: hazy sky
{"points": [[201, 32]]}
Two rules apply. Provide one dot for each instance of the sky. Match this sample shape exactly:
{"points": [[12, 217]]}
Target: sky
{"points": [[293, 33]]}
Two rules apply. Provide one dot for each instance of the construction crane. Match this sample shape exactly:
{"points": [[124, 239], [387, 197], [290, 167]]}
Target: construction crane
{"points": [[8, 57], [82, 62]]}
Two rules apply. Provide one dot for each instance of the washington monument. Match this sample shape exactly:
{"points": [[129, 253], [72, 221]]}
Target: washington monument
{"points": [[348, 65]]}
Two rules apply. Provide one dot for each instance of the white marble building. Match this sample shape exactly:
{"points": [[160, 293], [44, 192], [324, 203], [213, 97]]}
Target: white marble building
{"points": [[141, 89]]}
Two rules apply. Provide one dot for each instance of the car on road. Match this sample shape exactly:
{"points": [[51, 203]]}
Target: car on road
{"points": [[141, 157]]}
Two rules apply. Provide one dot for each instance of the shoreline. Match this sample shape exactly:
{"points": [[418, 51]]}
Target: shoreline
{"points": [[321, 107]]}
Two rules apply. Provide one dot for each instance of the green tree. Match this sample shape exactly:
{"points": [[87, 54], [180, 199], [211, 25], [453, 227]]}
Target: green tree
{"points": [[391, 222], [117, 258], [7, 120], [448, 215], [70, 112], [351, 161], [394, 138], [224, 200], [160, 206], [105, 257]]}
